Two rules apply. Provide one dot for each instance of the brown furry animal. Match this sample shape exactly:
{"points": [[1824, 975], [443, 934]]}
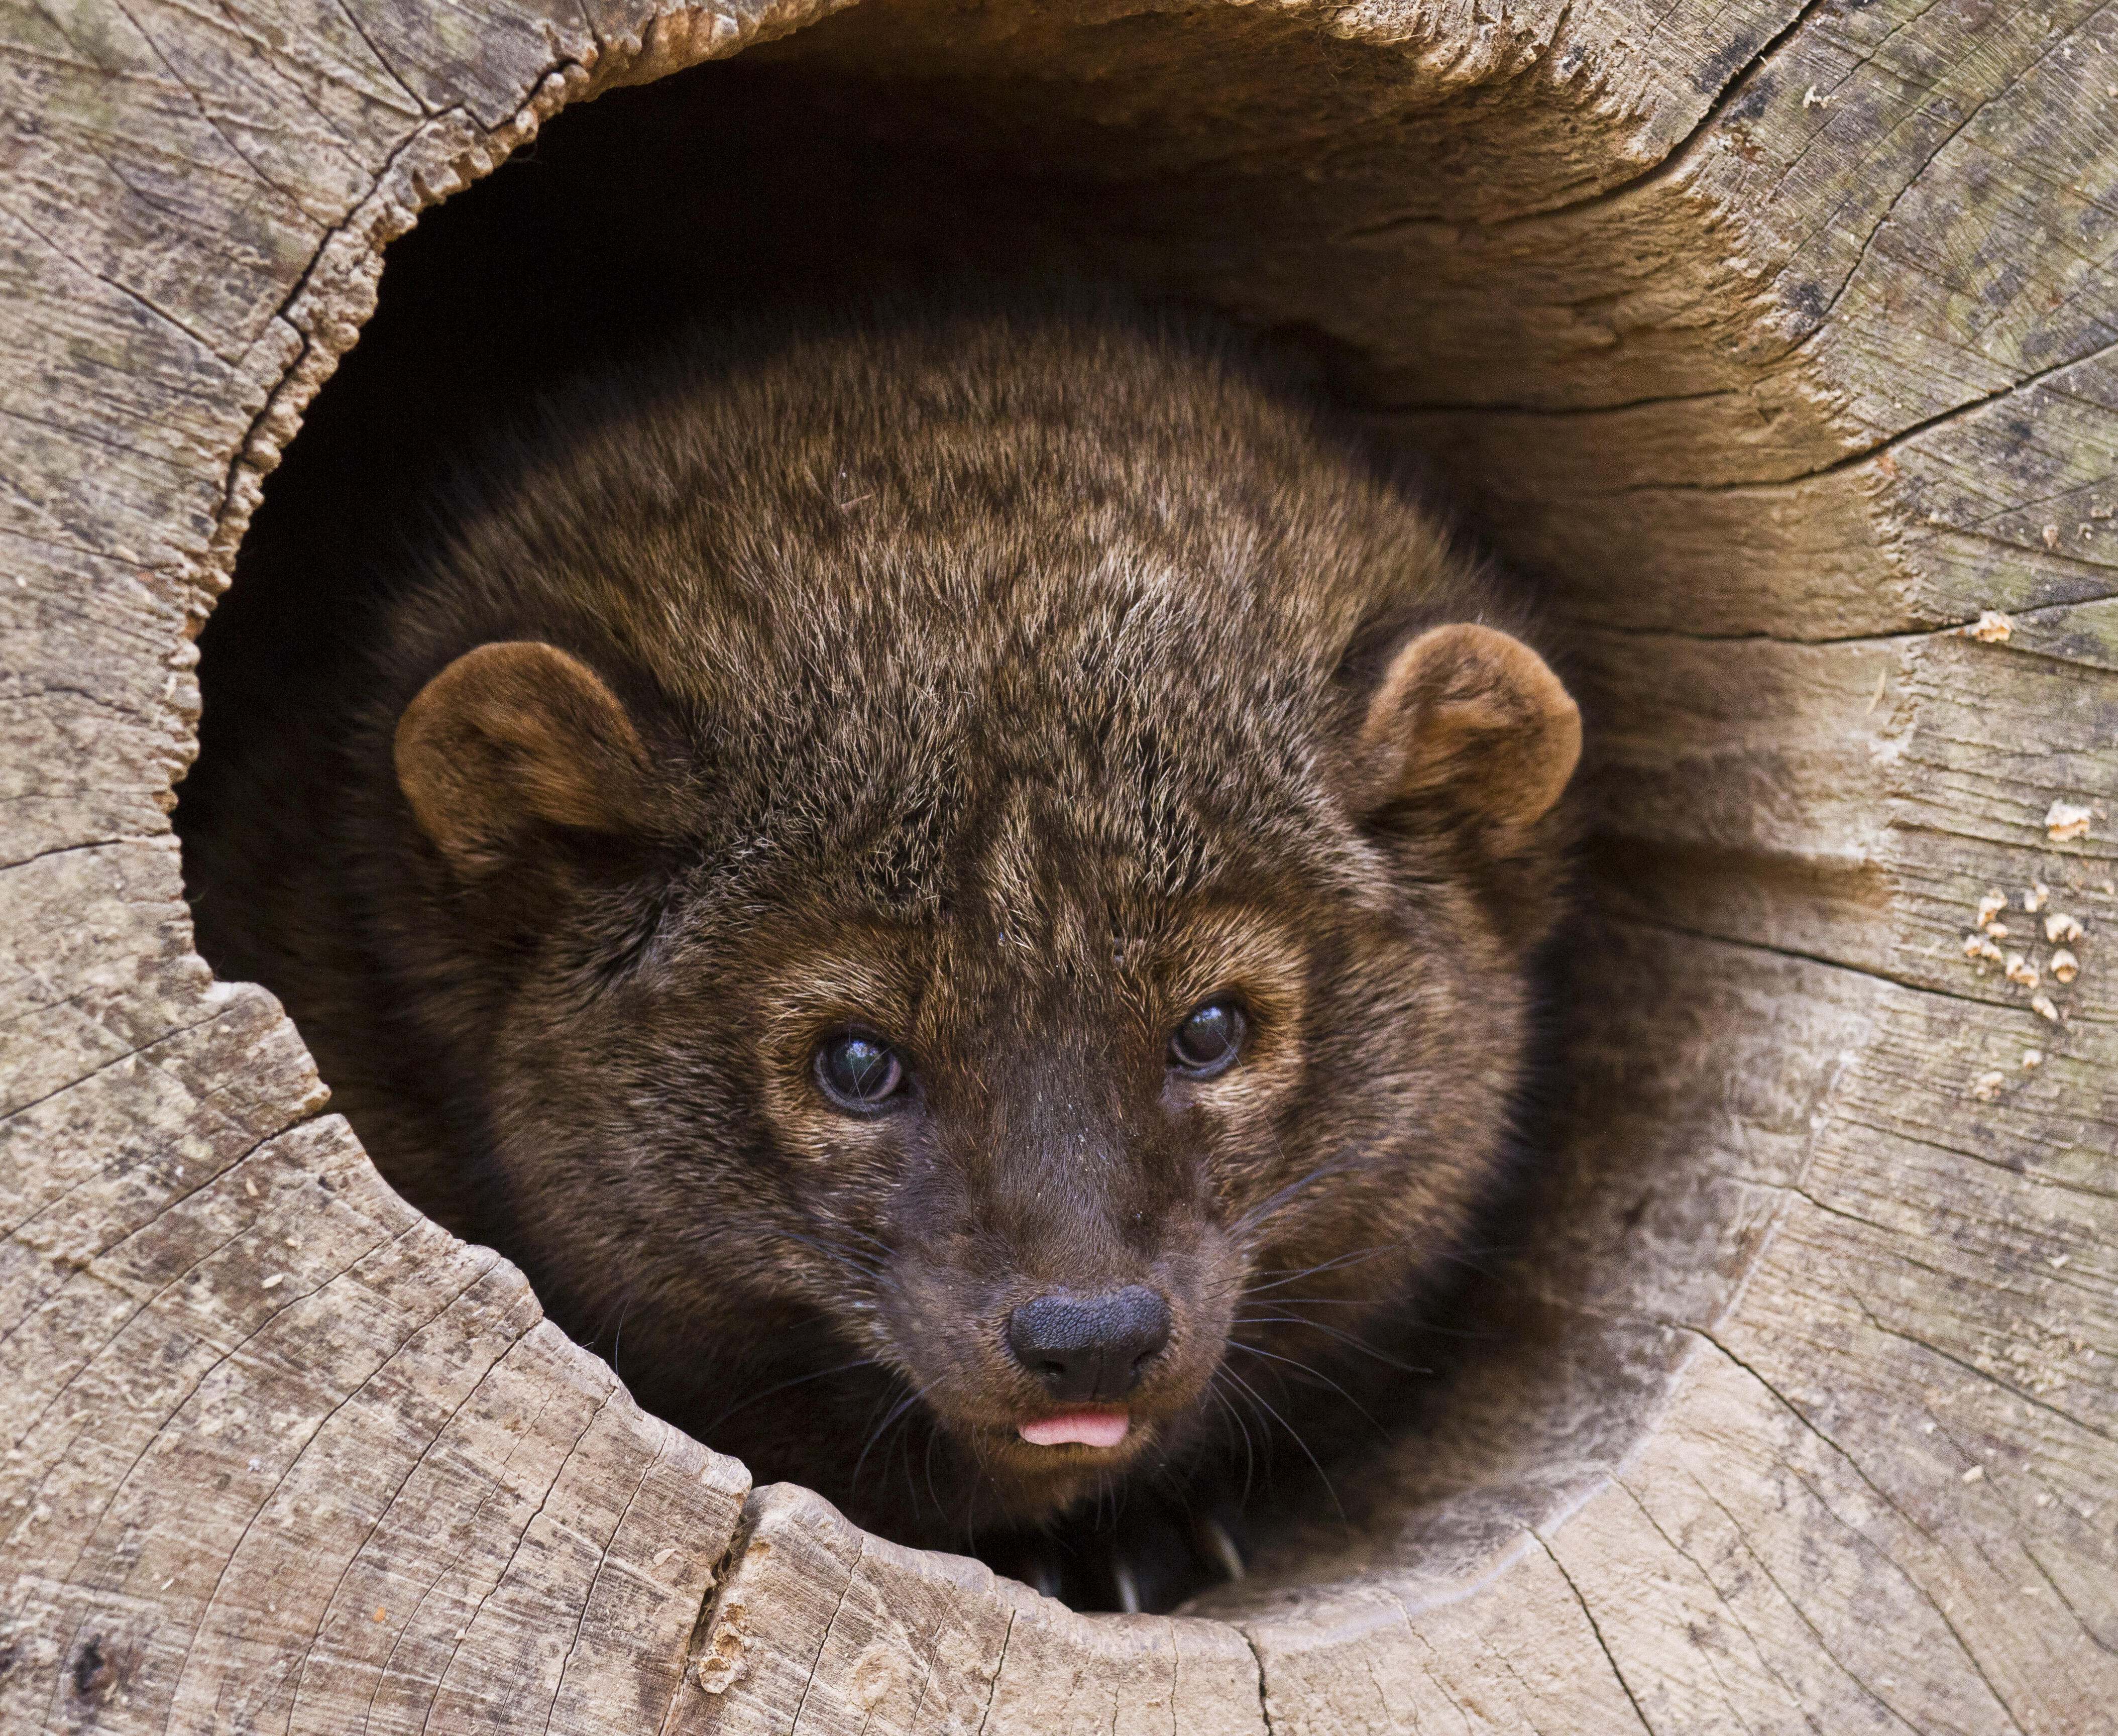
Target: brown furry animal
{"points": [[955, 886]]}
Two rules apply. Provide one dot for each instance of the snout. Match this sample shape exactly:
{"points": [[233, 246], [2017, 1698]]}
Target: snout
{"points": [[1089, 1349], [1055, 1382]]}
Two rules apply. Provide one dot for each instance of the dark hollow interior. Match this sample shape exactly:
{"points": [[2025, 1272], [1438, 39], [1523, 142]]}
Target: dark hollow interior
{"points": [[782, 176]]}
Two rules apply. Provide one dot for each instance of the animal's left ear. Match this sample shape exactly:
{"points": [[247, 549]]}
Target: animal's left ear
{"points": [[1473, 726]]}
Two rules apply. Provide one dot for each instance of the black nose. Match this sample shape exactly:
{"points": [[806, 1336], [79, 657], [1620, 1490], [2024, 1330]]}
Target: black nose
{"points": [[1089, 1347]]}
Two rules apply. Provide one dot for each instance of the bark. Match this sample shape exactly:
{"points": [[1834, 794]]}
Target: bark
{"points": [[1778, 337]]}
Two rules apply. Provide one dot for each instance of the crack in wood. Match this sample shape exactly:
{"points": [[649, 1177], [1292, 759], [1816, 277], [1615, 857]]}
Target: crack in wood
{"points": [[1596, 1628]]}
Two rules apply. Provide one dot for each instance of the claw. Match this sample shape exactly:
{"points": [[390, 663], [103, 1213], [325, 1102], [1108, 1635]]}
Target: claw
{"points": [[1128, 1587], [1217, 1544]]}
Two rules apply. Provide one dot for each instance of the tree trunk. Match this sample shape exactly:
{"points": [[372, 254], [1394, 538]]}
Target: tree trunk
{"points": [[1776, 338]]}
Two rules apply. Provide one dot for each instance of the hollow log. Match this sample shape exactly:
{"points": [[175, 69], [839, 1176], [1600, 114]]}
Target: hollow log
{"points": [[1775, 339]]}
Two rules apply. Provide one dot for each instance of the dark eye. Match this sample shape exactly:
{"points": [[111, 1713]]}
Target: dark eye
{"points": [[859, 1072], [1209, 1040]]}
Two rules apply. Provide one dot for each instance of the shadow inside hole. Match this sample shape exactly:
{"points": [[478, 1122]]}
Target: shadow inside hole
{"points": [[760, 181]]}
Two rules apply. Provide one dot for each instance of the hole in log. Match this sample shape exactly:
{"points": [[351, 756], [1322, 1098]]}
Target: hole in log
{"points": [[1456, 249]]}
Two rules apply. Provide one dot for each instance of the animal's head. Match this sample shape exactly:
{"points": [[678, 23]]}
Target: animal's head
{"points": [[1070, 1014]]}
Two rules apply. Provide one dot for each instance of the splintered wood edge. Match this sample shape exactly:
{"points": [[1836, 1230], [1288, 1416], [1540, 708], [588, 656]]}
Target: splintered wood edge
{"points": [[321, 321]]}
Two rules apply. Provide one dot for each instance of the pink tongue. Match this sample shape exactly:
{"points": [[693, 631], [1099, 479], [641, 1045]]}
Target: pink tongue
{"points": [[1078, 1428]]}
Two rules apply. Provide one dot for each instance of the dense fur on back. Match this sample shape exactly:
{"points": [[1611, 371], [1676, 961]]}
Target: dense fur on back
{"points": [[1002, 676]]}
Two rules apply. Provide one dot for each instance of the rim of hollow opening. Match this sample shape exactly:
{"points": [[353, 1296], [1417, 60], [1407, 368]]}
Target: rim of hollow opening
{"points": [[1442, 1548]]}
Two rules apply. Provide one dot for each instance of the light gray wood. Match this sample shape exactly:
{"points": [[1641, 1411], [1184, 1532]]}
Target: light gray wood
{"points": [[1776, 338], [905, 1641]]}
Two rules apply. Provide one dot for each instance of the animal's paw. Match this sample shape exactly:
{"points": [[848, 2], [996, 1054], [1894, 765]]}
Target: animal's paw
{"points": [[1153, 1553]]}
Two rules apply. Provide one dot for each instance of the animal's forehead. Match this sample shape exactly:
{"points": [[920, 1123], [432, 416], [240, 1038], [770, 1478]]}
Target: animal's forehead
{"points": [[1005, 850], [1023, 817], [1075, 950]]}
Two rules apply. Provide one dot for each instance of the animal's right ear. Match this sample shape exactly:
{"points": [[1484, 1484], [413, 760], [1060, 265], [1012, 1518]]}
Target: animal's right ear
{"points": [[511, 736]]}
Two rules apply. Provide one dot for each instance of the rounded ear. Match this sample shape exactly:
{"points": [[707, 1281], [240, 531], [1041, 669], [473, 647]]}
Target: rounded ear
{"points": [[512, 735], [1474, 721]]}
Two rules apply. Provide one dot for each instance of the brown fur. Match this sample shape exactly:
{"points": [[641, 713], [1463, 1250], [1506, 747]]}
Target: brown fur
{"points": [[1009, 682]]}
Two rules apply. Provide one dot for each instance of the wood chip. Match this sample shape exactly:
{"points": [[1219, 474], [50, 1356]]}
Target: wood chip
{"points": [[2061, 929], [2065, 966], [2064, 821]]}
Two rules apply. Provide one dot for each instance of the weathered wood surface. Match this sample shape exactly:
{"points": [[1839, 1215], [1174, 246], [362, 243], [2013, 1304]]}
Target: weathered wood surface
{"points": [[1780, 336]]}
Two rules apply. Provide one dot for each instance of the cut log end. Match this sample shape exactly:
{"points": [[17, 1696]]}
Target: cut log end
{"points": [[1771, 342]]}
